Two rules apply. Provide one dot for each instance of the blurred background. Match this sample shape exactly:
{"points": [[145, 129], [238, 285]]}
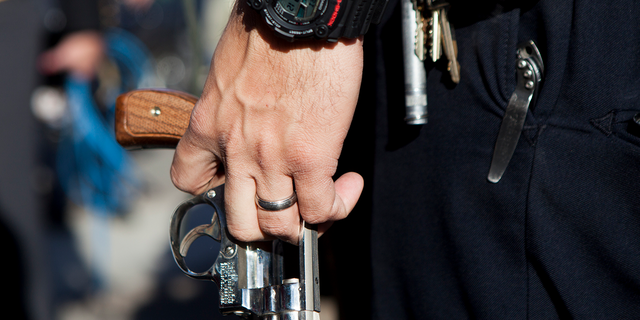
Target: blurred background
{"points": [[84, 224]]}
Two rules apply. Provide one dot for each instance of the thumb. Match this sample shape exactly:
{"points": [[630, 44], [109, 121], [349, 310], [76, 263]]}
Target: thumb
{"points": [[348, 190]]}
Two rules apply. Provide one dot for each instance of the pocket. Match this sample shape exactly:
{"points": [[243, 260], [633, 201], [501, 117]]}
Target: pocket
{"points": [[487, 55], [620, 123]]}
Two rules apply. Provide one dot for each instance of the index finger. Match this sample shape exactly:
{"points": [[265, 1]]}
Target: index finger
{"points": [[195, 169]]}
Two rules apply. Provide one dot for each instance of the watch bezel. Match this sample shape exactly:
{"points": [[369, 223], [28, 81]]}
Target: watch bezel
{"points": [[284, 23], [333, 20]]}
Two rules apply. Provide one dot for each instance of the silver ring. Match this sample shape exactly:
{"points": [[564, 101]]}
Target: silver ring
{"points": [[277, 205]]}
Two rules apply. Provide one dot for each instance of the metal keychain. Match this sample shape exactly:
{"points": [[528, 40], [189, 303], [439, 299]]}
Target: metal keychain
{"points": [[415, 75]]}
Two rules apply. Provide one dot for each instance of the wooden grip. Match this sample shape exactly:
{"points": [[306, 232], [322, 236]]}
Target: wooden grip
{"points": [[152, 118]]}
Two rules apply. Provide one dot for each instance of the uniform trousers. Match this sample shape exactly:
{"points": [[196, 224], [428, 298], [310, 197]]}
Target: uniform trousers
{"points": [[559, 235]]}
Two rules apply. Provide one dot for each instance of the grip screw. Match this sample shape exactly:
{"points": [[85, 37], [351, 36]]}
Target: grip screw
{"points": [[155, 111]]}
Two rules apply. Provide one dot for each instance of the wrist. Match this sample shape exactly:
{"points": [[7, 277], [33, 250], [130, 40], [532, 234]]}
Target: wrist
{"points": [[245, 22], [328, 20]]}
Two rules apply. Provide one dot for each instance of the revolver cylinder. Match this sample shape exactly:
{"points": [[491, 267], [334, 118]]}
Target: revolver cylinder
{"points": [[251, 276]]}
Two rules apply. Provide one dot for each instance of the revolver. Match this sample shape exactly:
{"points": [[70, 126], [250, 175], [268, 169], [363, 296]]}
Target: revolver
{"points": [[254, 279]]}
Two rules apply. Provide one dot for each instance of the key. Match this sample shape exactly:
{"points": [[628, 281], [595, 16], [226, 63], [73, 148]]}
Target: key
{"points": [[421, 36], [450, 46], [435, 33]]}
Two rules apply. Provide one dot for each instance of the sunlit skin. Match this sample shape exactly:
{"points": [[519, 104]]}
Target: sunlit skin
{"points": [[273, 114]]}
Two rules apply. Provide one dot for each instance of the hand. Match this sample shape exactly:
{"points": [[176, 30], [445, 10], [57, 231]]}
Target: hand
{"points": [[79, 53], [273, 115]]}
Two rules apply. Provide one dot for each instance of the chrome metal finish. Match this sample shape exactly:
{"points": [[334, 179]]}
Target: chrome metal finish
{"points": [[522, 64], [524, 96], [436, 35], [277, 205], [250, 276], [415, 75], [309, 268], [529, 84], [421, 38]]}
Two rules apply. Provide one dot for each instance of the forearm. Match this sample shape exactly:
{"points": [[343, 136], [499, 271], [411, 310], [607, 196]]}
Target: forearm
{"points": [[273, 115]]}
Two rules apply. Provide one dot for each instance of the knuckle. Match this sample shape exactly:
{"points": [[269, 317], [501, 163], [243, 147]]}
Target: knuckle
{"points": [[198, 122], [266, 155], [308, 164], [244, 234], [303, 154], [241, 230], [181, 182], [276, 225], [274, 228], [233, 146], [318, 209], [227, 142], [278, 231], [201, 127], [316, 216], [190, 183]]}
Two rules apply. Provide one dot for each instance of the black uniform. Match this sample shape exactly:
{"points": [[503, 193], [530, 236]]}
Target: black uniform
{"points": [[559, 235]]}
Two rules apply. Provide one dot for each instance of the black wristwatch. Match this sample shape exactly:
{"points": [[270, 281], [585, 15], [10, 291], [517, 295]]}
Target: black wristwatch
{"points": [[321, 19]]}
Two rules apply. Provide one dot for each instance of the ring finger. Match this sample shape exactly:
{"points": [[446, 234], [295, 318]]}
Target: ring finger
{"points": [[272, 191]]}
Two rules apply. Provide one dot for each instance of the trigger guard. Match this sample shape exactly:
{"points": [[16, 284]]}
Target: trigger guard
{"points": [[211, 230], [180, 246]]}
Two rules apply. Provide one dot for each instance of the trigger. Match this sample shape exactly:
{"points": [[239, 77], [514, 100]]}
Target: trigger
{"points": [[211, 230]]}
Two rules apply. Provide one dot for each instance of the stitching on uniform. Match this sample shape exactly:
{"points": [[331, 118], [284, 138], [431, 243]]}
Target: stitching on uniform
{"points": [[605, 123]]}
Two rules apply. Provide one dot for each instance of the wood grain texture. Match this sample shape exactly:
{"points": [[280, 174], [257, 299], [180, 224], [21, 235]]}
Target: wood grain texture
{"points": [[152, 118]]}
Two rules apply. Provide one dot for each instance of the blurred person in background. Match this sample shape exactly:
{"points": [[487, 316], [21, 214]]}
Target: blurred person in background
{"points": [[24, 26]]}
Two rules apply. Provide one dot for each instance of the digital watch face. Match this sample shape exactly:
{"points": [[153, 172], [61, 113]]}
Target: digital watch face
{"points": [[297, 10]]}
